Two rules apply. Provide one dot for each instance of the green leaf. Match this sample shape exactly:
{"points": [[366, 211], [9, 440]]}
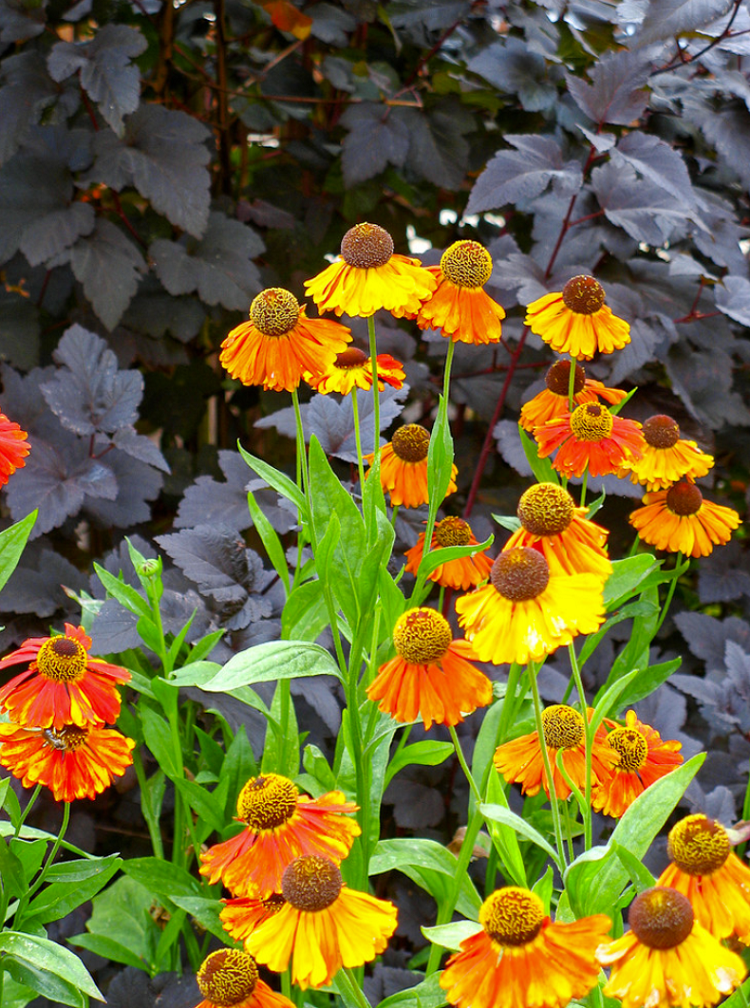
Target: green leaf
{"points": [[12, 542], [158, 736], [428, 994], [278, 480], [108, 948], [430, 865], [542, 469], [208, 810], [42, 954], [639, 873], [440, 457], [161, 878], [497, 813], [125, 594], [427, 753], [12, 873], [41, 981], [504, 836], [270, 539], [646, 681], [60, 897], [444, 554], [206, 913], [451, 935], [270, 662], [318, 767], [281, 750], [627, 577], [305, 613], [509, 522]]}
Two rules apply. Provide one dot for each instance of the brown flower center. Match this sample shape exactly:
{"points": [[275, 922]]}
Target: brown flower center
{"points": [[512, 916], [661, 918], [422, 636], [631, 746], [62, 659], [558, 378], [467, 264], [267, 802], [452, 531], [591, 422], [273, 903], [661, 431], [311, 883], [227, 977], [411, 443], [697, 845], [583, 295], [684, 498], [563, 727], [351, 359], [275, 311], [520, 574], [545, 509], [366, 246]]}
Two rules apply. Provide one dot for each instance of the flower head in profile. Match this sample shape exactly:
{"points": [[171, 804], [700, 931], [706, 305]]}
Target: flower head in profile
{"points": [[63, 684], [72, 761], [242, 915], [644, 758], [667, 959], [403, 466], [228, 978], [552, 402], [280, 825], [460, 574], [459, 307], [278, 344], [704, 868], [520, 761], [322, 926], [521, 959], [666, 457], [681, 520], [369, 275], [13, 448], [353, 369], [590, 438], [576, 320], [527, 611], [431, 676]]}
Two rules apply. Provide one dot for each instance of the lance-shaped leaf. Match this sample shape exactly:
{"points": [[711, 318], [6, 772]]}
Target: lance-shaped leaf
{"points": [[616, 93], [521, 174], [109, 266]]}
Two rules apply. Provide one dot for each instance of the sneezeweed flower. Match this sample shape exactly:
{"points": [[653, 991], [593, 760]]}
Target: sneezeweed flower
{"points": [[403, 466], [13, 448], [520, 761], [527, 611], [431, 676], [72, 761], [666, 457], [521, 959], [63, 684], [681, 520], [369, 276], [280, 824], [644, 758], [552, 524], [353, 369], [278, 344], [228, 978], [704, 868], [459, 307], [322, 926], [576, 320], [242, 915], [590, 438], [667, 959], [461, 574], [552, 402]]}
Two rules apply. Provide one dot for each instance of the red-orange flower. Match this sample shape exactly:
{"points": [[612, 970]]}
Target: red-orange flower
{"points": [[460, 574], [403, 466], [353, 369], [589, 438], [63, 684], [13, 448], [552, 402], [241, 916]]}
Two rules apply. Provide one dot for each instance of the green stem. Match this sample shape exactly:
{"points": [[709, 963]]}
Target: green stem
{"points": [[670, 594], [375, 390], [547, 766], [572, 385], [157, 845], [584, 484], [464, 765], [346, 980], [358, 440], [447, 371], [588, 737], [302, 473], [34, 887], [25, 813], [568, 830]]}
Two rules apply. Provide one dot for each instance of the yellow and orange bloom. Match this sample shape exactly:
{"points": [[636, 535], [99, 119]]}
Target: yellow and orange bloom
{"points": [[644, 758], [72, 761], [369, 276], [461, 574], [552, 402], [431, 676], [459, 307], [667, 959], [280, 825], [278, 344], [680, 520], [705, 869], [228, 978], [241, 916], [590, 438], [666, 457], [527, 611], [576, 320], [403, 466], [520, 761], [322, 926], [63, 684], [353, 369], [521, 959], [13, 448]]}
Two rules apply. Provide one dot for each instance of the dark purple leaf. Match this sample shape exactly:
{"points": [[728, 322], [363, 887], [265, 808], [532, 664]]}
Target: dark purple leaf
{"points": [[108, 264], [616, 93], [438, 150], [665, 18], [733, 298], [137, 484], [515, 69], [645, 210], [512, 176], [375, 139]]}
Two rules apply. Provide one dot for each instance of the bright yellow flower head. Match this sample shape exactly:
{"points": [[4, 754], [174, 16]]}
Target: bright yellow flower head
{"points": [[576, 320]]}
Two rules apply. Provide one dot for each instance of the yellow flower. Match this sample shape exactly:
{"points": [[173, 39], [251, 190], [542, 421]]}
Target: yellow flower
{"points": [[680, 520], [552, 402], [228, 978], [666, 457], [461, 574], [576, 320], [353, 369], [403, 466]]}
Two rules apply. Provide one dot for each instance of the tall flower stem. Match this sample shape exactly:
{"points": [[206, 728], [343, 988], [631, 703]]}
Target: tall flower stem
{"points": [[375, 391], [358, 437], [26, 811], [302, 471], [557, 824], [588, 736], [572, 385], [464, 765]]}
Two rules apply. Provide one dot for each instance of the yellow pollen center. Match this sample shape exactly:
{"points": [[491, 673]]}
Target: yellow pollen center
{"points": [[697, 845], [512, 916], [351, 359], [684, 499], [366, 246], [275, 311], [591, 422], [583, 295], [520, 574], [631, 746], [661, 431], [311, 883], [422, 636], [227, 977], [62, 659], [267, 802], [66, 739], [563, 727], [545, 509], [452, 531], [411, 443], [467, 264], [557, 379], [661, 918]]}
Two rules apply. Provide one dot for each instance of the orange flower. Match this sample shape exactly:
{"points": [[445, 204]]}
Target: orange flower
{"points": [[403, 466], [576, 320], [73, 762], [63, 684], [589, 438], [430, 676], [552, 402], [520, 959], [461, 574], [280, 825], [680, 520], [666, 457], [459, 307], [279, 344], [228, 978], [644, 758], [369, 276], [13, 448], [353, 369], [241, 916]]}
